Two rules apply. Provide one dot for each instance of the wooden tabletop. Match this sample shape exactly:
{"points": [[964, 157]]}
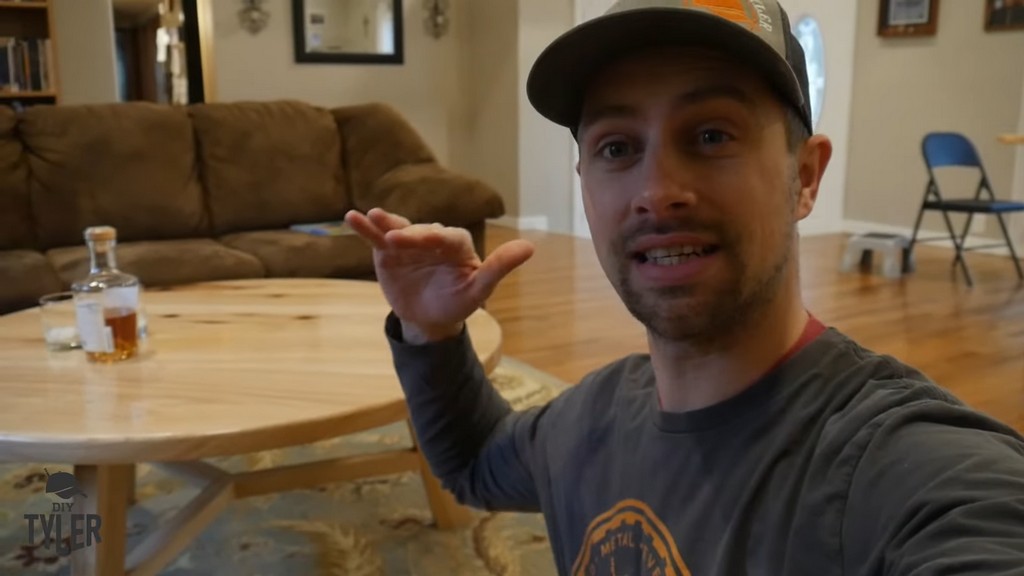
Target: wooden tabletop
{"points": [[230, 367], [1012, 138]]}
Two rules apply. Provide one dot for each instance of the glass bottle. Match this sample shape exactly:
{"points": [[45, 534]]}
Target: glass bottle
{"points": [[106, 302]]}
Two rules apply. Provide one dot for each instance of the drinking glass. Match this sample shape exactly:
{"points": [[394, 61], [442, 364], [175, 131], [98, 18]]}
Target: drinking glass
{"points": [[60, 328]]}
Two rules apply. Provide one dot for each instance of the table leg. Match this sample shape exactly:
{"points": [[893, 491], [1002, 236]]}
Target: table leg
{"points": [[106, 488], [448, 513], [130, 489]]}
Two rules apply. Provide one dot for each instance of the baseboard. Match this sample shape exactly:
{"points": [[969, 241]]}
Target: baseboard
{"points": [[820, 227], [523, 223], [861, 227]]}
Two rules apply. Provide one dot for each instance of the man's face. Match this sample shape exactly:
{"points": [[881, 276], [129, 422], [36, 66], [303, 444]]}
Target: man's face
{"points": [[690, 190]]}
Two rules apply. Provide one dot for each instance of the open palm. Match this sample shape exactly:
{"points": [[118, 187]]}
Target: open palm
{"points": [[430, 274]]}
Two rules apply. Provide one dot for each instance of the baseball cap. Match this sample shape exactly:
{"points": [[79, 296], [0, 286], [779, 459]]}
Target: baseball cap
{"points": [[756, 32]]}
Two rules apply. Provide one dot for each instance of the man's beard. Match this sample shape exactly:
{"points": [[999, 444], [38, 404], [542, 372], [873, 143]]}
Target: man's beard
{"points": [[714, 319], [706, 321]]}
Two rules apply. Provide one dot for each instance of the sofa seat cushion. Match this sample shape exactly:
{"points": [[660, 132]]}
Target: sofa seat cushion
{"points": [[164, 262], [285, 253], [25, 275]]}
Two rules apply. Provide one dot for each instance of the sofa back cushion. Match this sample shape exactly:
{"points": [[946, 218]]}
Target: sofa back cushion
{"points": [[268, 165], [127, 165], [16, 229]]}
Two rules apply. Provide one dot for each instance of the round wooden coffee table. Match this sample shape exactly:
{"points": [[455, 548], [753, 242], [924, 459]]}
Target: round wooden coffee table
{"points": [[230, 368]]}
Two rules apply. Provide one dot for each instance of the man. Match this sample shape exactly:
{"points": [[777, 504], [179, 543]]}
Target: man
{"points": [[751, 439]]}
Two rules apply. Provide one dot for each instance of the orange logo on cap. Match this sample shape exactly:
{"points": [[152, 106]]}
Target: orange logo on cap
{"points": [[734, 10]]}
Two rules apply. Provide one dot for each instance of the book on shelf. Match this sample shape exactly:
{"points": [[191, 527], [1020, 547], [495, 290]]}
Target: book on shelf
{"points": [[26, 64]]}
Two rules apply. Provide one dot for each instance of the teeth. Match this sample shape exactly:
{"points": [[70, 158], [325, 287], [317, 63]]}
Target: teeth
{"points": [[673, 253], [670, 260]]}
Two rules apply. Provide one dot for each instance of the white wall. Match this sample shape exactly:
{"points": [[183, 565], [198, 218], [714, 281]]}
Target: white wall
{"points": [[262, 67], [962, 79], [839, 31], [86, 59], [487, 129], [584, 10], [507, 143], [546, 164]]}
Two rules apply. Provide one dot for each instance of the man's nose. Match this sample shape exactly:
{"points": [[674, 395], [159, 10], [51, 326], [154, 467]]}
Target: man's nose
{"points": [[667, 186]]}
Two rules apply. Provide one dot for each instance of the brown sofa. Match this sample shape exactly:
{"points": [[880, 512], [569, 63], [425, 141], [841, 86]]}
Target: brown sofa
{"points": [[208, 192]]}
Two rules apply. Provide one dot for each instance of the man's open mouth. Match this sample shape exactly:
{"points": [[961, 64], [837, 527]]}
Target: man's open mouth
{"points": [[673, 255]]}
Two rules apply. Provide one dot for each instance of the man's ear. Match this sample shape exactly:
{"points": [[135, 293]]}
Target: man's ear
{"points": [[812, 160]]}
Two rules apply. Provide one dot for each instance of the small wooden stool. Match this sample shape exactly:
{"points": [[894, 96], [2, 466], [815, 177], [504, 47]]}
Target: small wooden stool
{"points": [[894, 247]]}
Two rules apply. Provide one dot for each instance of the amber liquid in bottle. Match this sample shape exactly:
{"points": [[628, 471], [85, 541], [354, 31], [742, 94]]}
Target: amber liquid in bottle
{"points": [[124, 331], [107, 302]]}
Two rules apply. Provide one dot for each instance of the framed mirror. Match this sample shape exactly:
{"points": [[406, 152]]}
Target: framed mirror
{"points": [[348, 31]]}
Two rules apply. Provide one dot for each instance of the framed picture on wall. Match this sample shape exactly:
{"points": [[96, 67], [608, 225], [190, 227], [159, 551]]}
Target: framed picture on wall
{"points": [[1004, 15], [897, 18]]}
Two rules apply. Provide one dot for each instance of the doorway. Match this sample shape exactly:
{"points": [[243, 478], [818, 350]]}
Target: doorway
{"points": [[158, 51]]}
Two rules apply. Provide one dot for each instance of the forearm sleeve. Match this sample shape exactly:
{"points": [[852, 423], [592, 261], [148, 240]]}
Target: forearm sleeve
{"points": [[475, 443], [938, 498]]}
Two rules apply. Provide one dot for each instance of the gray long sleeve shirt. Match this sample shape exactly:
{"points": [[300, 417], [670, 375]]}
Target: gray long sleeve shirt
{"points": [[839, 461]]}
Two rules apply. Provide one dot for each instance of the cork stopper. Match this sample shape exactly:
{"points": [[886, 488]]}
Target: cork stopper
{"points": [[100, 233]]}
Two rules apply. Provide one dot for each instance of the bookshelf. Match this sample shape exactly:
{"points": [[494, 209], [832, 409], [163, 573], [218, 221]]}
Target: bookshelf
{"points": [[28, 63]]}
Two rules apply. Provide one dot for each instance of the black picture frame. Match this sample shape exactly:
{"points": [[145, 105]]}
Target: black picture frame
{"points": [[302, 55], [1004, 15], [888, 27]]}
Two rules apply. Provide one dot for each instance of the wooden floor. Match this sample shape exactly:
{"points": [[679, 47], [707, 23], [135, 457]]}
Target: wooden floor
{"points": [[560, 314]]}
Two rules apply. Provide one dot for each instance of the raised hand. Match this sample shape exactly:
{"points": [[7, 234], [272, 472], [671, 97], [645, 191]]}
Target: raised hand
{"points": [[430, 274]]}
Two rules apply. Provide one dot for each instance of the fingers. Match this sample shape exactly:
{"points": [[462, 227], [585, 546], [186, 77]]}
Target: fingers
{"points": [[434, 237], [366, 228], [498, 264], [390, 232], [387, 221], [375, 224]]}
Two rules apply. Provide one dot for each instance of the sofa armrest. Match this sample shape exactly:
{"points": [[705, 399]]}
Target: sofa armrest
{"points": [[428, 192], [376, 139]]}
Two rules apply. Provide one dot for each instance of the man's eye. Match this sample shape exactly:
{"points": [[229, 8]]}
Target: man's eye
{"points": [[617, 149], [713, 137]]}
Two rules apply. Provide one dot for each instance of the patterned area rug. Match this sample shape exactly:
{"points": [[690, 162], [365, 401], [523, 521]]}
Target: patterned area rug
{"points": [[379, 526]]}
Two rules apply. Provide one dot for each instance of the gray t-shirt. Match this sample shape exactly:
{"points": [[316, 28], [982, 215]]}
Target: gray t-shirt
{"points": [[838, 461]]}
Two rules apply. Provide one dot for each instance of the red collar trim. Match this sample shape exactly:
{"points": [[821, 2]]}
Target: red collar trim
{"points": [[812, 329]]}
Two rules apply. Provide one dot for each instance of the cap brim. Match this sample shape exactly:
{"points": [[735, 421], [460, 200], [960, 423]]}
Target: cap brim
{"points": [[560, 76]]}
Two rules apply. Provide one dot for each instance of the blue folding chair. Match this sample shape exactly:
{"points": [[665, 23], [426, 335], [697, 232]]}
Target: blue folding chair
{"points": [[946, 149]]}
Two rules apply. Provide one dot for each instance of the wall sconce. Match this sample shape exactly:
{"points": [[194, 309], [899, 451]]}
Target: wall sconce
{"points": [[252, 16], [437, 20]]}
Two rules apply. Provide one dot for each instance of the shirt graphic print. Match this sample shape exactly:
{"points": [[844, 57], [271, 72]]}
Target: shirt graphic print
{"points": [[629, 540]]}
